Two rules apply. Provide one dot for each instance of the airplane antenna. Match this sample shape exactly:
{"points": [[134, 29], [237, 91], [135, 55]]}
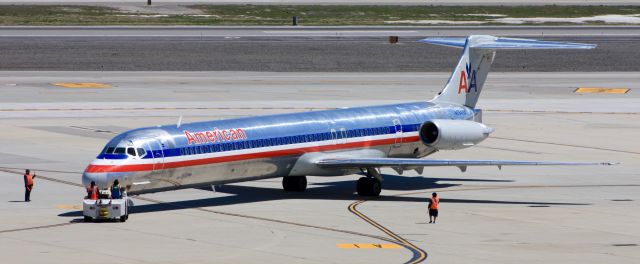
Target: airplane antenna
{"points": [[179, 122]]}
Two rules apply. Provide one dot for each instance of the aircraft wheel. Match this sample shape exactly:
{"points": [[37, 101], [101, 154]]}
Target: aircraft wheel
{"points": [[375, 187], [369, 187], [87, 219], [294, 183], [123, 218], [362, 185]]}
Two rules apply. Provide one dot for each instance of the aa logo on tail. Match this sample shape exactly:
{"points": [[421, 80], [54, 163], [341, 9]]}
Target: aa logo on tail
{"points": [[470, 75]]}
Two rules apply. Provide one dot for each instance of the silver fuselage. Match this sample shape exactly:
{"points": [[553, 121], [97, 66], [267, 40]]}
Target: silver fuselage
{"points": [[224, 151]]}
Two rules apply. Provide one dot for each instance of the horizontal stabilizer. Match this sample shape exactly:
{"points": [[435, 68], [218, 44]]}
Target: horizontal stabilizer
{"points": [[490, 42], [408, 162]]}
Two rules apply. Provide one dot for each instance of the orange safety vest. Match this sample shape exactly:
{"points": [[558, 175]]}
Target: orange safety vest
{"points": [[434, 203], [92, 193], [28, 180]]}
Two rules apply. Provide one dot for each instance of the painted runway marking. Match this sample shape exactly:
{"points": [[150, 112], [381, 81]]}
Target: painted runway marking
{"points": [[82, 85], [368, 246], [419, 255], [602, 90], [69, 206]]}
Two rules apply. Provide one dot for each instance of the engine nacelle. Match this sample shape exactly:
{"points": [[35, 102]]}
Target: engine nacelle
{"points": [[453, 134]]}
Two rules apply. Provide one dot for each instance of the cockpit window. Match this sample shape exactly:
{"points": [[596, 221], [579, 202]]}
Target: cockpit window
{"points": [[141, 152], [131, 151], [118, 151], [109, 150]]}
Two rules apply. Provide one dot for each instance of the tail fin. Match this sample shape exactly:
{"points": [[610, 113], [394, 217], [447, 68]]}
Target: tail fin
{"points": [[466, 81]]}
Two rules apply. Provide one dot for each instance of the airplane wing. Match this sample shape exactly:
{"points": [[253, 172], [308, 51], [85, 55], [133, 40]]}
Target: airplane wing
{"points": [[462, 164]]}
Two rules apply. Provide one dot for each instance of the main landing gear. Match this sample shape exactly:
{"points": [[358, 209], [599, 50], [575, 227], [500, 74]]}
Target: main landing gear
{"points": [[294, 183], [370, 185]]}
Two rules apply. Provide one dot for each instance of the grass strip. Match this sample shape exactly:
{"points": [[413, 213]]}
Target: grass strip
{"points": [[324, 15]]}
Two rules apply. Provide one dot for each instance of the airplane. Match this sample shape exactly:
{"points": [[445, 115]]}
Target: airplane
{"points": [[319, 143]]}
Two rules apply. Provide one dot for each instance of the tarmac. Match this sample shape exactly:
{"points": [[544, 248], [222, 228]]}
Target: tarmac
{"points": [[302, 49], [512, 215], [174, 3]]}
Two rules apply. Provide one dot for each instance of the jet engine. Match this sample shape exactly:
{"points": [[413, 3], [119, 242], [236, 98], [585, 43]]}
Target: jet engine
{"points": [[453, 134]]}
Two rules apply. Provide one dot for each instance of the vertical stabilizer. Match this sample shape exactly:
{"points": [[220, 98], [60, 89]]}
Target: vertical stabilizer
{"points": [[466, 81]]}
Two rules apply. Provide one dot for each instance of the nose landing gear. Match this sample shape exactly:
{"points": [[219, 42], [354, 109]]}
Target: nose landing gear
{"points": [[371, 185]]}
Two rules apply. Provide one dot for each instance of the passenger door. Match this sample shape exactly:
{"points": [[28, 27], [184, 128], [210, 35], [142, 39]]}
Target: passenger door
{"points": [[157, 153], [398, 135]]}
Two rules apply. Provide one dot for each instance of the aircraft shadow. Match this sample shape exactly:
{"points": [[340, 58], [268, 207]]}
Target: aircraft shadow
{"points": [[338, 190]]}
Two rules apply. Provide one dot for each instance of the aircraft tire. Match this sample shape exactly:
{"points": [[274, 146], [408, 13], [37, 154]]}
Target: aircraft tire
{"points": [[294, 183], [375, 187], [362, 186], [368, 187], [87, 219]]}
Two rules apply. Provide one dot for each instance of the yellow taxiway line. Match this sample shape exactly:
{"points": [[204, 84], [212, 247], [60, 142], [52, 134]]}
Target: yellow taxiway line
{"points": [[602, 90], [419, 255], [81, 85]]}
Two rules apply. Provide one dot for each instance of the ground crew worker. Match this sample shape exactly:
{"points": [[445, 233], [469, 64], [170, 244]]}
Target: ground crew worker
{"points": [[433, 208], [92, 191], [115, 190], [28, 184]]}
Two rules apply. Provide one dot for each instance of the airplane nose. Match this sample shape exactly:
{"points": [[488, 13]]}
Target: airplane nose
{"points": [[99, 178]]}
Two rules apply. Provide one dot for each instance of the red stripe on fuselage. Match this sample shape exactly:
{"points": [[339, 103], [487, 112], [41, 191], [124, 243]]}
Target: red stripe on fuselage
{"points": [[257, 155]]}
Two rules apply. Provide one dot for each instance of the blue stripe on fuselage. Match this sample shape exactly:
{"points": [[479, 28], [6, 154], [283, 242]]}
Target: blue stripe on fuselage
{"points": [[317, 124]]}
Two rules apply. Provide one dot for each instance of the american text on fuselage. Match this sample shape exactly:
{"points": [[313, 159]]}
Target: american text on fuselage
{"points": [[225, 151]]}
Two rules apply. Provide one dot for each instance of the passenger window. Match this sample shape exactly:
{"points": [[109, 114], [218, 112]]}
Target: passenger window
{"points": [[246, 144], [141, 152]]}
